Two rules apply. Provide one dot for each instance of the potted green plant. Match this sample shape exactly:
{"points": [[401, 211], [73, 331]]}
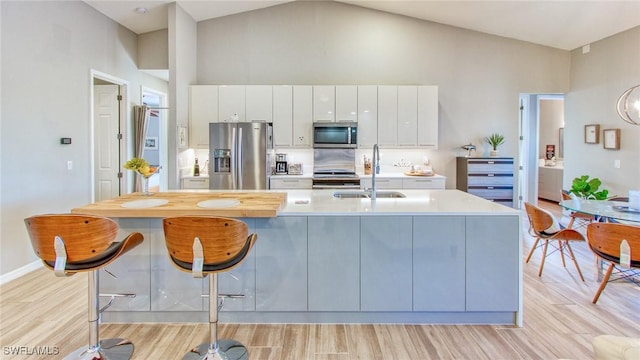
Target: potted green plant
{"points": [[494, 140], [588, 188]]}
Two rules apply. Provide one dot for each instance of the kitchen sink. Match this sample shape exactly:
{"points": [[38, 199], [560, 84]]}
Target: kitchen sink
{"points": [[367, 194]]}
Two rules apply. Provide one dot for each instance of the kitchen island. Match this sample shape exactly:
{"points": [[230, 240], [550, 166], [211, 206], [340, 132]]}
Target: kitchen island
{"points": [[435, 256]]}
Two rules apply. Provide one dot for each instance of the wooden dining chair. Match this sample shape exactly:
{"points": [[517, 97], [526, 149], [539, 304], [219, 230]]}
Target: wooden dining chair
{"points": [[604, 240], [583, 219], [544, 226]]}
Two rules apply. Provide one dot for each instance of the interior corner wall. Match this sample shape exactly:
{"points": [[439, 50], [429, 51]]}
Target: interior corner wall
{"points": [[48, 51], [182, 73], [480, 76], [153, 50], [598, 78]]}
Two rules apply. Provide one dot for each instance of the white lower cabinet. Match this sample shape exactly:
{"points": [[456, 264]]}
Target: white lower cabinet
{"points": [[195, 183], [281, 264], [386, 271], [439, 263], [549, 183], [404, 183], [289, 183], [333, 268], [423, 183]]}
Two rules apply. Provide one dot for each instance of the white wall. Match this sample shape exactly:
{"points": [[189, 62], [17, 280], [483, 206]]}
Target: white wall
{"points": [[551, 115], [479, 76], [598, 78], [48, 51]]}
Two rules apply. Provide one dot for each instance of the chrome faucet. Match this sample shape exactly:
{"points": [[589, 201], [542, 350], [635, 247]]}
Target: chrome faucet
{"points": [[375, 163]]}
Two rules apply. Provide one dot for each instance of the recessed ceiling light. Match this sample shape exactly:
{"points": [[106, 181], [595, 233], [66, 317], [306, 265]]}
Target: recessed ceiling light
{"points": [[141, 10]]}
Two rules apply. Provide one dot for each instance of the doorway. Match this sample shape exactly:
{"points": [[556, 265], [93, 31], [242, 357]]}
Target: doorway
{"points": [[108, 120], [157, 131], [541, 118]]}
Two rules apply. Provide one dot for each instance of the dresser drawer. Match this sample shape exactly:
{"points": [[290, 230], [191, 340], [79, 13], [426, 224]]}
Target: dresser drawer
{"points": [[490, 179], [490, 166]]}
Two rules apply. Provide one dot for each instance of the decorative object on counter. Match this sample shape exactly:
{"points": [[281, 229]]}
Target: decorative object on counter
{"points": [[142, 167], [196, 168], [367, 165], [588, 189], [611, 139], [419, 171], [494, 140], [628, 105], [294, 169], [403, 163], [469, 147], [592, 134]]}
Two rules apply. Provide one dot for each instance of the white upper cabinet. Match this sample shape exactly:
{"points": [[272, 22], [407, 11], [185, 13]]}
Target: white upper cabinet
{"points": [[302, 115], [407, 115], [231, 103], [259, 105], [387, 115], [346, 103], [367, 116], [428, 116], [283, 116], [324, 103], [203, 109]]}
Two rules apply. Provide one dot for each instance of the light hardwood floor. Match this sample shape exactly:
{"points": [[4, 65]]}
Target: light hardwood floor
{"points": [[559, 322]]}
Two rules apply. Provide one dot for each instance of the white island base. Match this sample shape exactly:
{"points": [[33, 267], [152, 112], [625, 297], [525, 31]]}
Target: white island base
{"points": [[437, 256]]}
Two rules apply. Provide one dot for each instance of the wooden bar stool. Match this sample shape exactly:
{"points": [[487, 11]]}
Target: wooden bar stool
{"points": [[206, 246], [69, 244]]}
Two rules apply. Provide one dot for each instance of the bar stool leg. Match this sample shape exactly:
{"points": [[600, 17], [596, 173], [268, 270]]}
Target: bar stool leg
{"points": [[112, 349], [225, 349]]}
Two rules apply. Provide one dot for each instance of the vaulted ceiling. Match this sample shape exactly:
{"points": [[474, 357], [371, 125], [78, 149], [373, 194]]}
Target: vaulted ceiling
{"points": [[560, 24]]}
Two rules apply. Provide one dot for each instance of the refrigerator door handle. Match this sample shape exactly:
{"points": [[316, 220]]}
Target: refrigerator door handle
{"points": [[239, 165], [234, 159]]}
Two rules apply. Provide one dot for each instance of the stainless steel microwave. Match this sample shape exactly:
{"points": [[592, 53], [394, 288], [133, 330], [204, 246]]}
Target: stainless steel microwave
{"points": [[335, 135]]}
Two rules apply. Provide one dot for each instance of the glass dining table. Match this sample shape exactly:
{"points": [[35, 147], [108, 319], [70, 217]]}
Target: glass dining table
{"points": [[604, 209]]}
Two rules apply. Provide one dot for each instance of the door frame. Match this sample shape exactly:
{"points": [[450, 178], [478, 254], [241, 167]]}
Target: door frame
{"points": [[163, 136], [529, 144], [123, 120]]}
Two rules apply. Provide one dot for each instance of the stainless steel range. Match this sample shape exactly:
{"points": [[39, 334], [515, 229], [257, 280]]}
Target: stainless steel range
{"points": [[335, 169]]}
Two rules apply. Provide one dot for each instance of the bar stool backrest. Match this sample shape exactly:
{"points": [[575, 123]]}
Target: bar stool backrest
{"points": [[604, 239], [222, 238], [84, 236]]}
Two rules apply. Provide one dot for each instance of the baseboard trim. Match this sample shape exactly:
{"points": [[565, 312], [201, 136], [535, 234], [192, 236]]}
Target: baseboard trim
{"points": [[12, 275]]}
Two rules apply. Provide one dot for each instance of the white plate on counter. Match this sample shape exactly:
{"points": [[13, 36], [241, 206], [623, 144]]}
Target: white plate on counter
{"points": [[218, 203], [146, 203]]}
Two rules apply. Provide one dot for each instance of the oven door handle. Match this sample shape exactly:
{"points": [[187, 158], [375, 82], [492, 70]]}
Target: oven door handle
{"points": [[336, 186]]}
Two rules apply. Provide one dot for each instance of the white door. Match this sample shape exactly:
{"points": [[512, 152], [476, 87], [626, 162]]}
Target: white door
{"points": [[107, 145]]}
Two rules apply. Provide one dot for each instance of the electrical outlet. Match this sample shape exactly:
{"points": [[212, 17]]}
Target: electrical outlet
{"points": [[69, 165], [616, 164]]}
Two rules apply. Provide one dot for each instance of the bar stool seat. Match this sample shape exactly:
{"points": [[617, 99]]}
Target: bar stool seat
{"points": [[206, 246], [69, 244]]}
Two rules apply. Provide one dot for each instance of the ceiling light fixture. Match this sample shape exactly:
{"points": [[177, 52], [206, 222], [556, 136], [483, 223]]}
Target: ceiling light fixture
{"points": [[141, 10]]}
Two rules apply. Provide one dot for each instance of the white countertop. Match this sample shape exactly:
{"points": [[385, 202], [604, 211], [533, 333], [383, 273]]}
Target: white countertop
{"points": [[417, 202]]}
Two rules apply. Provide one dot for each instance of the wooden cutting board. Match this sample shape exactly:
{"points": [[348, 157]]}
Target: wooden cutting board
{"points": [[248, 204]]}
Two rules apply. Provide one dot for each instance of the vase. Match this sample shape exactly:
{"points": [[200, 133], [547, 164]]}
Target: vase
{"points": [[145, 186], [493, 153]]}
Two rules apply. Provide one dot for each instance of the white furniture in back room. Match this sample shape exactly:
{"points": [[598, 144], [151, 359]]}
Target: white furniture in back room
{"points": [[550, 182]]}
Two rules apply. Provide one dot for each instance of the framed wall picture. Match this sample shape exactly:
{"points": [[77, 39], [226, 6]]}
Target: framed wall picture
{"points": [[611, 139], [592, 134], [151, 143]]}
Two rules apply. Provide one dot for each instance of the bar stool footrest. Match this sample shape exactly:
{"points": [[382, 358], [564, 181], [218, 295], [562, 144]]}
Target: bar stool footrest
{"points": [[227, 350], [112, 349]]}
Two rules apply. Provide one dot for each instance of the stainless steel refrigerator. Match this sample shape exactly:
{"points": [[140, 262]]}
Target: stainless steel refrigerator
{"points": [[240, 155]]}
